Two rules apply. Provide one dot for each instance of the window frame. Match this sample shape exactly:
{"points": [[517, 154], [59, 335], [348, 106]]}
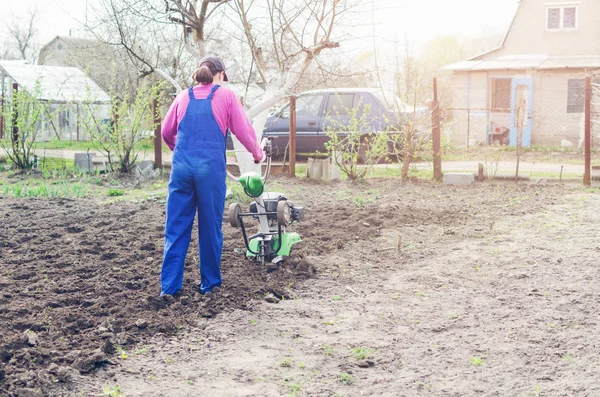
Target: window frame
{"points": [[493, 90], [561, 21], [581, 97]]}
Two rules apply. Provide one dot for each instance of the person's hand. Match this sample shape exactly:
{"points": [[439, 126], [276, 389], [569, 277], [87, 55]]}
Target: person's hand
{"points": [[264, 157]]}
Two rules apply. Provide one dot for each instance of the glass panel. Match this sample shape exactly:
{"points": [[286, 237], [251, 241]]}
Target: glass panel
{"points": [[553, 18], [340, 104], [575, 96], [570, 17], [501, 95], [308, 105]]}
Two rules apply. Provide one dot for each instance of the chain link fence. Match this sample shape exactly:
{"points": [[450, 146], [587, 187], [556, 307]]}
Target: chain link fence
{"points": [[595, 127], [531, 127]]}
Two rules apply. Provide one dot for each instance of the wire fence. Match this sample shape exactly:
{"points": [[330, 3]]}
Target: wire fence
{"points": [[531, 127]]}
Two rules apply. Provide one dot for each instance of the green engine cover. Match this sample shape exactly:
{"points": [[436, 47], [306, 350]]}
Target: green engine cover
{"points": [[252, 184], [288, 239]]}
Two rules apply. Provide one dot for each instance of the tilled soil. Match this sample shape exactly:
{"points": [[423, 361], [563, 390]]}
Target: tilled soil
{"points": [[80, 281]]}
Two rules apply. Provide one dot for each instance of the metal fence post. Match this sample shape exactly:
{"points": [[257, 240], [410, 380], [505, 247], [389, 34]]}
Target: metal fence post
{"points": [[157, 135], [292, 169], [587, 180], [435, 134]]}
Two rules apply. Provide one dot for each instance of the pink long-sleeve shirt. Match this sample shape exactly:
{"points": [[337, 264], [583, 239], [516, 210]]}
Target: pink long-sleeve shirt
{"points": [[228, 112]]}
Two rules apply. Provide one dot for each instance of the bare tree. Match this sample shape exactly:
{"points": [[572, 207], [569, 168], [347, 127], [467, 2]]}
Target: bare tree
{"points": [[281, 39], [22, 32], [6, 52], [159, 36]]}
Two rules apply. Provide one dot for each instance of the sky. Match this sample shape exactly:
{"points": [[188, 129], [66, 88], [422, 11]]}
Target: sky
{"points": [[395, 20]]}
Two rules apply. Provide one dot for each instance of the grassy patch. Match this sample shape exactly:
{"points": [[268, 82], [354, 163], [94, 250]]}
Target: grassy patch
{"points": [[477, 361], [44, 190], [361, 353], [345, 378], [113, 192], [144, 144], [112, 391]]}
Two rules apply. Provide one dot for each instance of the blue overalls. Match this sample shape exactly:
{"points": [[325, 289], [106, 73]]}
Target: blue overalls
{"points": [[197, 183]]}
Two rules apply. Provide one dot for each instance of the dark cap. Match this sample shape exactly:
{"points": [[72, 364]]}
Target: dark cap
{"points": [[219, 66]]}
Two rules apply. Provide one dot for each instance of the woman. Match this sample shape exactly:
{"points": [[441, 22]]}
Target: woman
{"points": [[195, 129]]}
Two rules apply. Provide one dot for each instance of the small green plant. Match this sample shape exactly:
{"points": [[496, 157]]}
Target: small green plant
{"points": [[113, 391], [252, 321], [361, 353], [115, 192], [452, 316], [328, 350], [421, 293], [330, 322], [345, 378], [301, 365], [336, 298], [353, 141], [286, 363], [567, 358], [141, 351], [477, 361], [22, 111], [119, 139], [294, 388]]}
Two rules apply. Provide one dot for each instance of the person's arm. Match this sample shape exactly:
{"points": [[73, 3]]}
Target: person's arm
{"points": [[240, 126], [170, 124]]}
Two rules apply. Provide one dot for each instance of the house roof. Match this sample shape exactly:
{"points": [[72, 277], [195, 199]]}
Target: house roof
{"points": [[512, 24], [56, 83], [524, 62]]}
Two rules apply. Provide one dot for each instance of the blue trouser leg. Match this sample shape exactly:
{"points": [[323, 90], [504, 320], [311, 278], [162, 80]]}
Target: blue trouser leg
{"points": [[211, 204], [181, 210]]}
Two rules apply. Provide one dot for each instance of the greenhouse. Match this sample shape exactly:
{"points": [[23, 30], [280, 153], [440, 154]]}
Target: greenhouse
{"points": [[68, 95]]}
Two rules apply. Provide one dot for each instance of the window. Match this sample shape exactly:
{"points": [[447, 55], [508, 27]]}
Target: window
{"points": [[339, 104], [308, 105], [561, 17], [576, 96], [500, 95], [569, 17]]}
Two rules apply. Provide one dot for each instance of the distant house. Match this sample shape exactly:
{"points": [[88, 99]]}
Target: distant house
{"points": [[541, 64], [95, 58], [70, 94]]}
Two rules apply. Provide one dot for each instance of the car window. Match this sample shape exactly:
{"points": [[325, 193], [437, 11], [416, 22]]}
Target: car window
{"points": [[339, 104], [367, 103], [285, 112], [308, 106]]}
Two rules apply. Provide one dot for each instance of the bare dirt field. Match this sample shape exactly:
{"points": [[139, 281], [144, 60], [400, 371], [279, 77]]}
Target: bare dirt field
{"points": [[396, 290]]}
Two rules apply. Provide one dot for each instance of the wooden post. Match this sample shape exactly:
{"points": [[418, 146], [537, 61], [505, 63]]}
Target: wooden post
{"points": [[587, 180], [468, 127], [2, 94], [157, 135], [521, 114], [77, 120], [292, 169], [15, 128], [435, 134]]}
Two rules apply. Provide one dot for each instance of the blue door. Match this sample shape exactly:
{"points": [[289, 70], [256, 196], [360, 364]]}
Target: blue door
{"points": [[521, 104]]}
